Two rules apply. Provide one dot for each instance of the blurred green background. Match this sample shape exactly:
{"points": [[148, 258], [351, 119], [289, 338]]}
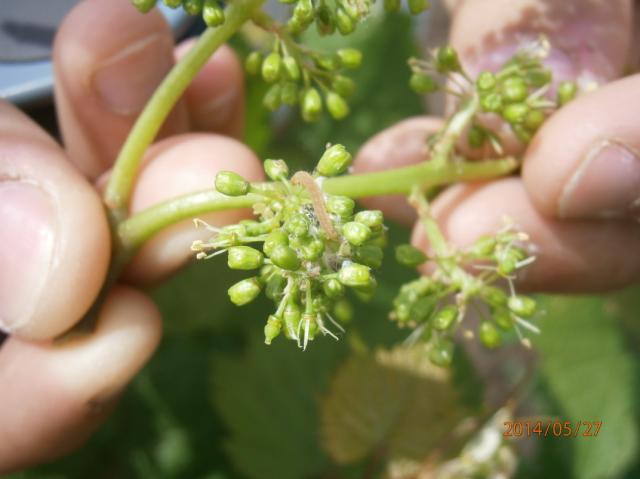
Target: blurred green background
{"points": [[216, 403]]}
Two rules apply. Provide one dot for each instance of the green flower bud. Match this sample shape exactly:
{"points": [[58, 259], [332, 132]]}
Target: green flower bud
{"points": [[356, 233], [495, 297], [289, 93], [231, 184], [275, 238], [291, 68], [369, 255], [392, 5], [344, 22], [343, 311], [567, 91], [325, 22], [273, 98], [447, 60], [410, 256], [417, 6], [275, 287], [422, 309], [445, 317], [271, 67], [515, 113], [337, 106], [298, 225], [212, 13], [245, 291], [304, 12], [272, 329], [534, 119], [372, 218], [503, 319], [253, 63], [334, 161], [276, 169], [311, 105], [292, 316], [340, 205], [329, 63], [484, 246], [522, 306], [421, 83], [349, 57], [285, 258], [193, 7], [514, 90], [244, 257], [486, 81], [489, 335], [144, 5], [477, 136], [287, 2], [491, 102], [508, 261], [333, 288], [367, 292], [354, 275], [441, 354], [343, 85], [312, 250], [172, 3]]}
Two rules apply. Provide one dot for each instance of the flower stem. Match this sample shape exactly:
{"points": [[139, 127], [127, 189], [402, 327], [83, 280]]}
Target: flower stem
{"points": [[162, 102]]}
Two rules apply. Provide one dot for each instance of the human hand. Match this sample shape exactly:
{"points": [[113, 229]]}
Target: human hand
{"points": [[55, 244], [579, 194]]}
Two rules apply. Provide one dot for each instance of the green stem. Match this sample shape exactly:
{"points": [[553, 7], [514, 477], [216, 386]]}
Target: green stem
{"points": [[162, 102], [133, 232], [444, 147]]}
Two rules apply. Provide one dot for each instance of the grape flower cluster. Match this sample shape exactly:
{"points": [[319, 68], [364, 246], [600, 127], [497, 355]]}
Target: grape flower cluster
{"points": [[212, 11], [307, 248]]}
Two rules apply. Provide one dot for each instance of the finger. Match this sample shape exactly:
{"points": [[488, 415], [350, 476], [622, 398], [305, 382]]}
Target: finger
{"points": [[590, 40], [178, 166], [54, 396], [590, 171], [574, 256], [108, 60], [403, 144], [215, 98], [54, 245]]}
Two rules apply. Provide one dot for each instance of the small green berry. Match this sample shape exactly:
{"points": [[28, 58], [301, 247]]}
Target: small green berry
{"points": [[144, 5], [333, 288], [447, 60], [245, 291], [285, 258], [356, 233], [445, 317], [334, 161], [489, 335], [522, 306], [503, 319], [336, 105], [291, 68], [344, 22], [311, 105], [272, 329], [567, 91], [340, 205], [212, 13], [349, 57], [271, 67], [514, 90], [491, 102], [486, 81], [418, 6], [193, 7], [410, 256], [372, 218], [515, 113], [274, 239], [421, 83], [231, 184], [343, 85], [495, 297], [534, 119], [355, 275], [253, 63], [304, 11], [441, 354], [276, 169], [422, 309], [244, 258]]}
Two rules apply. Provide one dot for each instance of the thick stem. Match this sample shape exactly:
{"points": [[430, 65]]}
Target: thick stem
{"points": [[162, 102]]}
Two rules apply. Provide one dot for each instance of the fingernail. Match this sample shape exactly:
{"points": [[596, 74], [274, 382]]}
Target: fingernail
{"points": [[27, 216], [126, 80], [606, 184]]}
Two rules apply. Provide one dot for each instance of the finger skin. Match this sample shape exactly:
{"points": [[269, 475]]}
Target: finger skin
{"points": [[177, 166], [215, 98], [571, 256], [103, 80], [560, 169], [401, 145], [58, 287], [55, 395]]}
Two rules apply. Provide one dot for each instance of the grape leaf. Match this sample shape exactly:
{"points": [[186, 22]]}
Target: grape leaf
{"points": [[592, 376]]}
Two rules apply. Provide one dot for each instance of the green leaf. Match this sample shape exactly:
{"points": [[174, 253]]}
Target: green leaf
{"points": [[391, 403], [591, 376], [267, 399]]}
